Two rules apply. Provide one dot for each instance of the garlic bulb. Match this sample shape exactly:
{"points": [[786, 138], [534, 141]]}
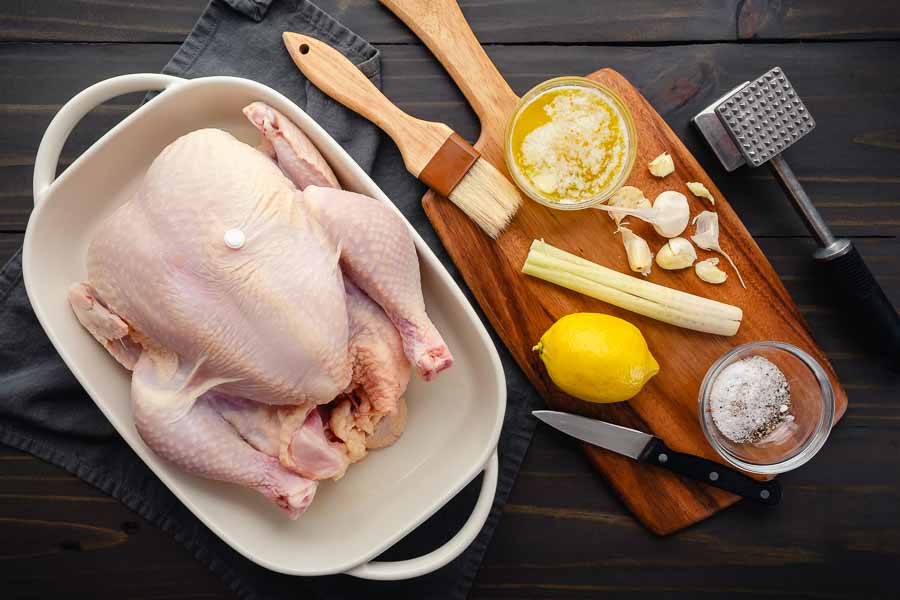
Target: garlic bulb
{"points": [[627, 197], [708, 271], [700, 190], [672, 214], [706, 236], [638, 251], [662, 165], [669, 215], [678, 253]]}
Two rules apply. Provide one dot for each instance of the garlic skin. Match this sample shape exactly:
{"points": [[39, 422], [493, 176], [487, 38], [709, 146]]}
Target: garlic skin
{"points": [[640, 259], [700, 190], [706, 236], [627, 197], [662, 165], [671, 214], [678, 253], [708, 271]]}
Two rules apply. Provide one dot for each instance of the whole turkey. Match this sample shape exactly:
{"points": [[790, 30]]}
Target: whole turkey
{"points": [[271, 319]]}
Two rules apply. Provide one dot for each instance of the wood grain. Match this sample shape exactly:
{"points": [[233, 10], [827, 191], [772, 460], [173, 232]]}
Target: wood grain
{"points": [[847, 165], [521, 308], [561, 536], [441, 25], [98, 20], [494, 21], [56, 524], [581, 21], [828, 19]]}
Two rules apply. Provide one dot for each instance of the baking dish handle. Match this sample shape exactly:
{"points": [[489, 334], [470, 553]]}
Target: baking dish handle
{"points": [[75, 109], [407, 569]]}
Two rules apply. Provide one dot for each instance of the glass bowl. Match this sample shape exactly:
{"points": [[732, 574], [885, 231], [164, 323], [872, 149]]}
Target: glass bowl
{"points": [[631, 150], [794, 441]]}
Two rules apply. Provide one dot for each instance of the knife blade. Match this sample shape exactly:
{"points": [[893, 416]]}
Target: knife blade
{"points": [[649, 449]]}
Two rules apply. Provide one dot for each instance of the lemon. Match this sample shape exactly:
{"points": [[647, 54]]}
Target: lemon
{"points": [[596, 357]]}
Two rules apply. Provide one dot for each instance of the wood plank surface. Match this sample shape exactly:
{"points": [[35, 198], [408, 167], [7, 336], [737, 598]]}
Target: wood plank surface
{"points": [[583, 20], [563, 534], [856, 185], [827, 19], [578, 22]]}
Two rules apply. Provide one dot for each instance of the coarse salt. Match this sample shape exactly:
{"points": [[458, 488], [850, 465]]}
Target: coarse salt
{"points": [[749, 399]]}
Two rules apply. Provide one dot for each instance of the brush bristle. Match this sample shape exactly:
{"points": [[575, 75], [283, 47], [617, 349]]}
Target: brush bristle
{"points": [[487, 197]]}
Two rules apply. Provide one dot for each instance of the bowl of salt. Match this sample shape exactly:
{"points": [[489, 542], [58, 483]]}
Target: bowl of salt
{"points": [[766, 407]]}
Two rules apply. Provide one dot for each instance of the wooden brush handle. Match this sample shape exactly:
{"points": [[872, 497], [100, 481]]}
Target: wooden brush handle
{"points": [[444, 29], [335, 75]]}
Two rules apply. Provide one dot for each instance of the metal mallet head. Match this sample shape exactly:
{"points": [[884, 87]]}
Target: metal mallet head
{"points": [[753, 124], [755, 121]]}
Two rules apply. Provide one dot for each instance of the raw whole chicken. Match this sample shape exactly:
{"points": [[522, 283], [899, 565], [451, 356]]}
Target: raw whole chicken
{"points": [[271, 319]]}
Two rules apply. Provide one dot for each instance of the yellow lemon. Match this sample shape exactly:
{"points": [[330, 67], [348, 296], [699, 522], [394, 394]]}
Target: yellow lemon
{"points": [[597, 358]]}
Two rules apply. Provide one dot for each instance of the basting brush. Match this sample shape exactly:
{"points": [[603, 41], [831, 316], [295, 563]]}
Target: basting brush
{"points": [[432, 151]]}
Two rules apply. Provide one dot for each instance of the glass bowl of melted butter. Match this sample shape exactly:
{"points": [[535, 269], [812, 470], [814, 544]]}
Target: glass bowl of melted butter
{"points": [[570, 143]]}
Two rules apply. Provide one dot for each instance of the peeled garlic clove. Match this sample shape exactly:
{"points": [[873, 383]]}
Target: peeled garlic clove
{"points": [[546, 183], [709, 272], [638, 251], [671, 214], [662, 165], [700, 190], [706, 236], [627, 197], [678, 253]]}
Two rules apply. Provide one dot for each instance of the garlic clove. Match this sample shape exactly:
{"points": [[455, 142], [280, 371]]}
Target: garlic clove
{"points": [[706, 236], [678, 253], [546, 182], [662, 165], [627, 197], [700, 190], [706, 233], [640, 259], [671, 214], [709, 272]]}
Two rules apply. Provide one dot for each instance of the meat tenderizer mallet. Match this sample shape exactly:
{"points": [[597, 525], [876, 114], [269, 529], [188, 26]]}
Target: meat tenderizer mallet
{"points": [[754, 123]]}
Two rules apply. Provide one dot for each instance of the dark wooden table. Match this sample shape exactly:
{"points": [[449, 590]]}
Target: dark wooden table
{"points": [[563, 534]]}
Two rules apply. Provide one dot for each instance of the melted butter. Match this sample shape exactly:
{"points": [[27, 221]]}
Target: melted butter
{"points": [[569, 143]]}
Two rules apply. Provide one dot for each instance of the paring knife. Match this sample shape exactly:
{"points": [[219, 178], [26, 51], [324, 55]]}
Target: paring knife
{"points": [[649, 449]]}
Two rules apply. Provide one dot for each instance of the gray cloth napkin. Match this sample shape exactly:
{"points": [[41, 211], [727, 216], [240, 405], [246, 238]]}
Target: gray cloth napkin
{"points": [[44, 411]]}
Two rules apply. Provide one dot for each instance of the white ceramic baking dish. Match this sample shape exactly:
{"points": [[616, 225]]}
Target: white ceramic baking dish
{"points": [[454, 422]]}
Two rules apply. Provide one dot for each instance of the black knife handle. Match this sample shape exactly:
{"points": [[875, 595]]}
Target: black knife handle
{"points": [[713, 473]]}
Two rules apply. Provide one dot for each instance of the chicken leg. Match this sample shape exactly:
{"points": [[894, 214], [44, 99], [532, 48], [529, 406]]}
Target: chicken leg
{"points": [[380, 369], [378, 254], [196, 438], [295, 435]]}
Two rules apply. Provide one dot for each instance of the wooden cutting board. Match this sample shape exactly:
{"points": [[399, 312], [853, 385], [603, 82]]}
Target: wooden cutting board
{"points": [[521, 308]]}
